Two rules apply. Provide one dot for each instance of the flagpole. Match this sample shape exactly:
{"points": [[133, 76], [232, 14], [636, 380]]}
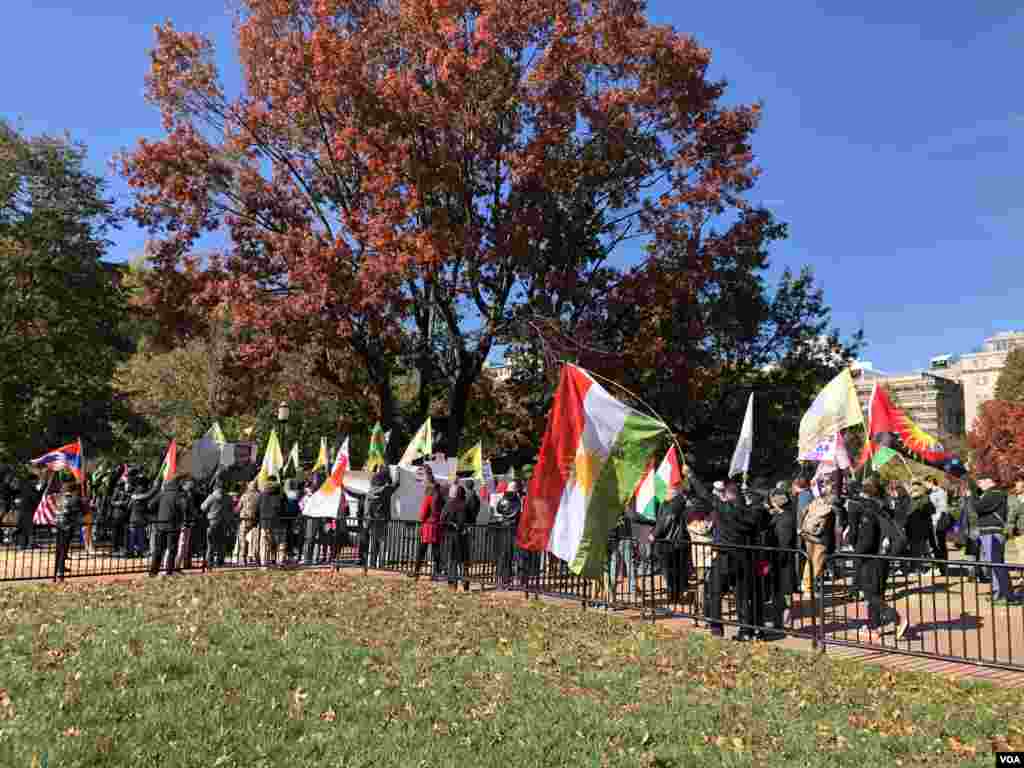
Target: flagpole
{"points": [[654, 413], [907, 465]]}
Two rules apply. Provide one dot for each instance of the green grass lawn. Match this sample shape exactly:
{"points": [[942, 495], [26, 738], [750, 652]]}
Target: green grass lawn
{"points": [[314, 669]]}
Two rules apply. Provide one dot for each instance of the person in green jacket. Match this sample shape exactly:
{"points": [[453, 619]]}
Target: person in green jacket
{"points": [[1015, 503]]}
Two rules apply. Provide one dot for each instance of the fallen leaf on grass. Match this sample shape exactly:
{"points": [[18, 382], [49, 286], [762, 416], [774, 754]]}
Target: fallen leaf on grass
{"points": [[329, 716], [297, 704], [7, 710], [959, 748], [104, 745], [72, 731]]}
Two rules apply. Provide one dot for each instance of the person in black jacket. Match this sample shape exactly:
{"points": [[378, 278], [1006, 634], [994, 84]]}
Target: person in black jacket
{"points": [[271, 532], [140, 503], [472, 503], [920, 532], [504, 523], [119, 494], [378, 512], [191, 527], [872, 572], [68, 521], [25, 503], [737, 528], [992, 509], [456, 522], [170, 506], [670, 543], [782, 539]]}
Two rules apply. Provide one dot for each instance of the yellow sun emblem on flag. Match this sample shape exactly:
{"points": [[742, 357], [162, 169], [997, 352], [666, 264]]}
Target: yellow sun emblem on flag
{"points": [[586, 468]]}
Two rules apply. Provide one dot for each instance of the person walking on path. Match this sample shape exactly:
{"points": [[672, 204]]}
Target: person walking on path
{"points": [[991, 504]]}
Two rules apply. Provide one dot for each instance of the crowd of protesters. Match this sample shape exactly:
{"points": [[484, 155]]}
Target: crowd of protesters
{"points": [[764, 543]]}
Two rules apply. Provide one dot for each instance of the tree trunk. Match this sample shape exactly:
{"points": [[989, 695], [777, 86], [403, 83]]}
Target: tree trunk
{"points": [[458, 401], [387, 413]]}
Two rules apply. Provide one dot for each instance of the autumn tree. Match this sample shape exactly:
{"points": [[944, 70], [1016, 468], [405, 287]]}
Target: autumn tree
{"points": [[181, 392], [1010, 385], [734, 336], [997, 440], [60, 304], [404, 181]]}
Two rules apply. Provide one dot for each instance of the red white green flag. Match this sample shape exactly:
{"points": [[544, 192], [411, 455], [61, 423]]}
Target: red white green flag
{"points": [[656, 483], [593, 453]]}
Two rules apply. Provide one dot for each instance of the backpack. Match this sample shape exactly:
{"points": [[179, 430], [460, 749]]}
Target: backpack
{"points": [[817, 518], [893, 539], [377, 503]]}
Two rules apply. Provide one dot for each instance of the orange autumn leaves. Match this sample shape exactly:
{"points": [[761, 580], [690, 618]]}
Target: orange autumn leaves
{"points": [[387, 164]]}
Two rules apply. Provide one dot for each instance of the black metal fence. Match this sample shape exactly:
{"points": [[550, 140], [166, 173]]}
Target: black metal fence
{"points": [[945, 607]]}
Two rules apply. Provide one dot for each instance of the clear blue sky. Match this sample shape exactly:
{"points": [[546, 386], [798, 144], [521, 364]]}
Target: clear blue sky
{"points": [[892, 139]]}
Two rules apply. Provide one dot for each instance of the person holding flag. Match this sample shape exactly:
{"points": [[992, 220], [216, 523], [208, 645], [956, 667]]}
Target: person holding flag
{"points": [[68, 520]]}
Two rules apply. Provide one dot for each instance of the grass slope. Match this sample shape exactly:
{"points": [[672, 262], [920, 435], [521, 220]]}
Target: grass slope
{"points": [[319, 669]]}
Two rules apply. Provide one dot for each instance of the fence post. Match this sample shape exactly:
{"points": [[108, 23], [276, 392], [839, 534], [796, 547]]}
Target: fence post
{"points": [[818, 614]]}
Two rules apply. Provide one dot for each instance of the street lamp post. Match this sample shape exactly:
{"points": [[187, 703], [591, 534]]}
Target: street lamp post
{"points": [[283, 412]]}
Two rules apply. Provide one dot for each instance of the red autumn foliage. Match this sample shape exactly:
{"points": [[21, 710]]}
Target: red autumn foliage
{"points": [[997, 441], [405, 182]]}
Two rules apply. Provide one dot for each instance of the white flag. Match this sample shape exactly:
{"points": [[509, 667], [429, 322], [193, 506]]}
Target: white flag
{"points": [[741, 456]]}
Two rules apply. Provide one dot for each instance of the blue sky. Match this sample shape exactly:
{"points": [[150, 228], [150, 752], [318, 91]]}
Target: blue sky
{"points": [[891, 142]]}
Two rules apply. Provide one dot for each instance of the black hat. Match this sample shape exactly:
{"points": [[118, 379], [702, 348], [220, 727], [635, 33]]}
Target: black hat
{"points": [[697, 503], [760, 488]]}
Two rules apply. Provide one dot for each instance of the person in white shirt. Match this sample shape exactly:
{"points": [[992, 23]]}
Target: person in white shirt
{"points": [[942, 520]]}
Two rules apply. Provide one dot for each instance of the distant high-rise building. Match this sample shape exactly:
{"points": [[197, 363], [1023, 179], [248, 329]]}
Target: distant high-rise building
{"points": [[935, 403], [978, 371]]}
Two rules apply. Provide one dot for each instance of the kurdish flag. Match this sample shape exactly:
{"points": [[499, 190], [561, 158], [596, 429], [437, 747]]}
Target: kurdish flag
{"points": [[422, 444], [321, 459], [594, 451], [378, 445], [324, 503], [655, 485], [473, 459]]}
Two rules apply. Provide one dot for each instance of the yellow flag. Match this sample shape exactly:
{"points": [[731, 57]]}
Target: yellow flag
{"points": [[836, 407], [321, 459], [422, 444], [473, 459], [273, 461]]}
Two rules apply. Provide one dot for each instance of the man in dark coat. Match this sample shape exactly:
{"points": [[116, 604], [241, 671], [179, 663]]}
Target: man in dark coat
{"points": [[170, 506], [737, 528], [141, 515], [271, 532], [378, 512], [25, 502], [504, 523], [781, 537], [872, 572], [670, 543], [456, 522], [992, 508], [920, 533], [68, 522], [472, 503]]}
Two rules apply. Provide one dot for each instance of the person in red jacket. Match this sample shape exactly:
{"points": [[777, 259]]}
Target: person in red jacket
{"points": [[430, 525]]}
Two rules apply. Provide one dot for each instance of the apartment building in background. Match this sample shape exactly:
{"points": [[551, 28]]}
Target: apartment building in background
{"points": [[935, 403], [978, 371]]}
